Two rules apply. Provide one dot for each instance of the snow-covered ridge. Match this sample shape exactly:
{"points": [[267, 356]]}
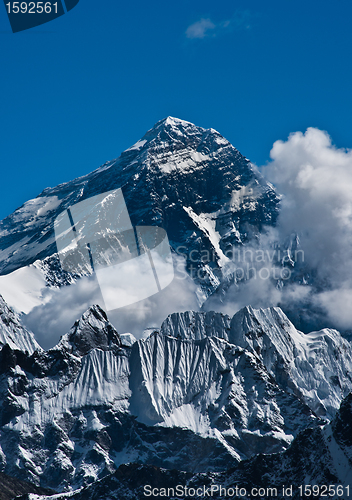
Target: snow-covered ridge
{"points": [[317, 366], [206, 385], [196, 325], [316, 457]]}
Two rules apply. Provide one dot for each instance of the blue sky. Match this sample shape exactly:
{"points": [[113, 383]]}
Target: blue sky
{"points": [[79, 90]]}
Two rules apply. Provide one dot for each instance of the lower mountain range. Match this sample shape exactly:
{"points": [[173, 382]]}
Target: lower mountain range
{"points": [[204, 394]]}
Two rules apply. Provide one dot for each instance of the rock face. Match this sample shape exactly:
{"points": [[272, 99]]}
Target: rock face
{"points": [[91, 331], [188, 180], [11, 487], [204, 393]]}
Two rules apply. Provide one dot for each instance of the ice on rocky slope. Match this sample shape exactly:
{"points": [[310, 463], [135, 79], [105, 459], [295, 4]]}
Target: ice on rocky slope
{"points": [[314, 458], [317, 366], [37, 207], [207, 224], [194, 325], [102, 378], [206, 385], [138, 145]]}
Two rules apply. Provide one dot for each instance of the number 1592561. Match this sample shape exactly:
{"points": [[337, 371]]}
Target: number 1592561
{"points": [[31, 7]]}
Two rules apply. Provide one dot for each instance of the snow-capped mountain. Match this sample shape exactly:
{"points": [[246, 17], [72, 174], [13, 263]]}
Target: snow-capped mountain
{"points": [[188, 180], [201, 394]]}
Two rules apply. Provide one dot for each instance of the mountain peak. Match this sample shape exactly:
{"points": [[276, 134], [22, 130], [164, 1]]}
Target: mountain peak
{"points": [[174, 122], [91, 331], [168, 131], [172, 128], [180, 134]]}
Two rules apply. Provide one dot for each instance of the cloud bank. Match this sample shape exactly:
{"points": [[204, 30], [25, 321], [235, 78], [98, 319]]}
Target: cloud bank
{"points": [[315, 179], [61, 307]]}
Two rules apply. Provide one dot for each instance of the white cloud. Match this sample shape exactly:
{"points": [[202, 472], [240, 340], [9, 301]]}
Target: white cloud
{"points": [[338, 305], [200, 29], [179, 296], [63, 306], [261, 280], [205, 27], [315, 179]]}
